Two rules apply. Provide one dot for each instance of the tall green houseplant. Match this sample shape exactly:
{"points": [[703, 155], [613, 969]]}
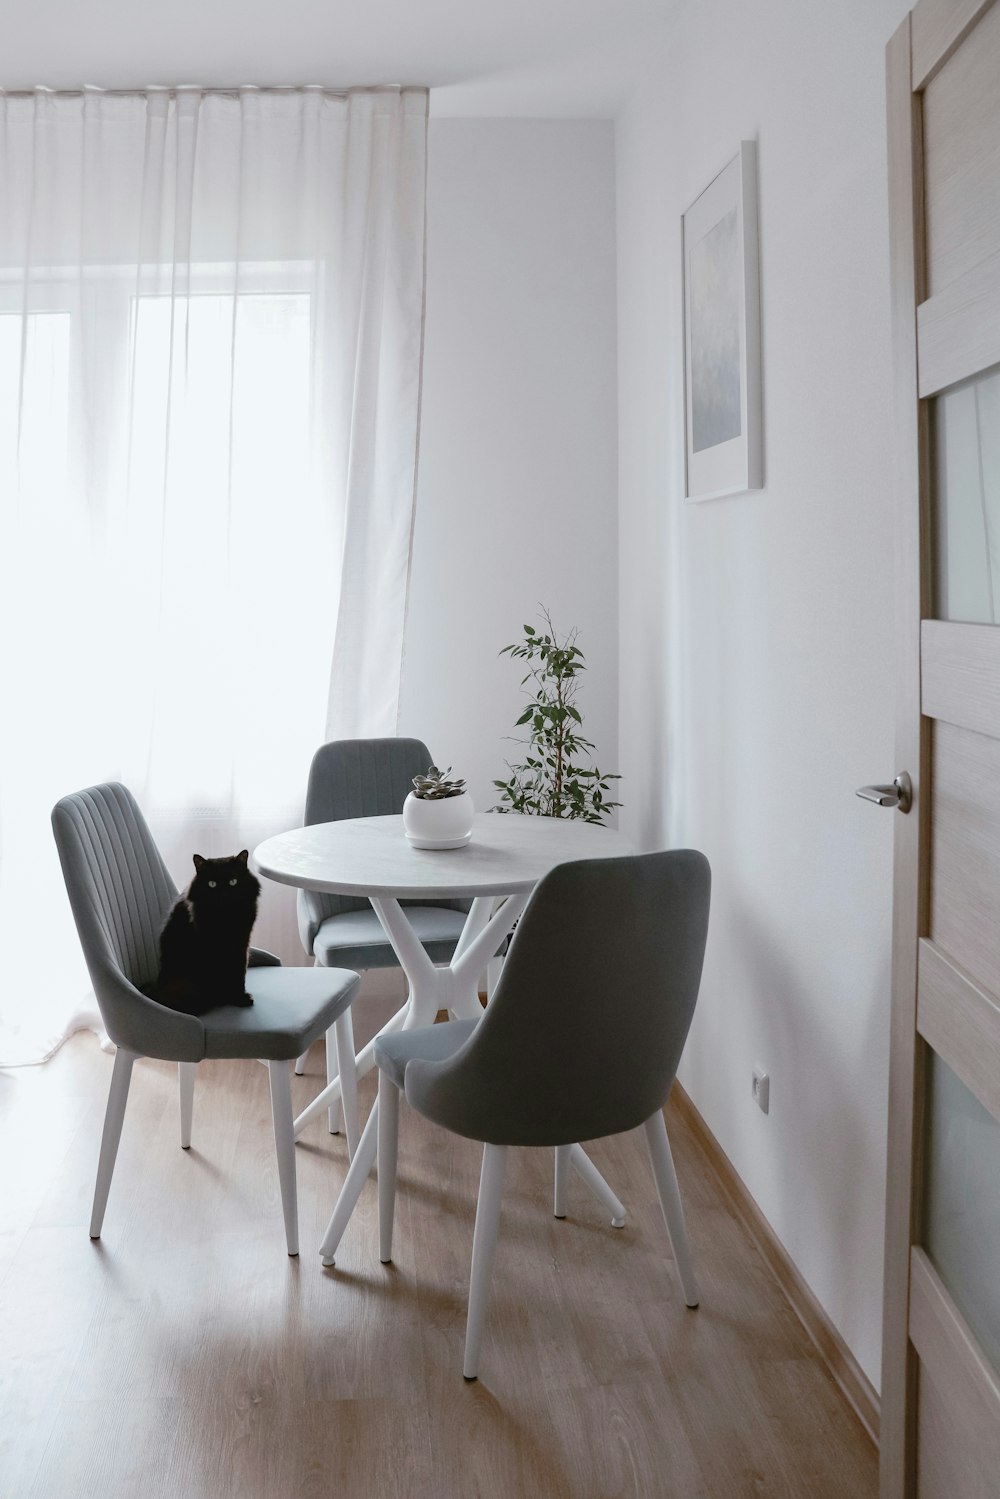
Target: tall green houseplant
{"points": [[551, 781]]}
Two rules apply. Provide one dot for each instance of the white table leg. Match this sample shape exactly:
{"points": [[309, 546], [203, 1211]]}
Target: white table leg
{"points": [[469, 962], [479, 914], [588, 1172], [431, 989], [366, 1061], [427, 988], [483, 907], [357, 1175], [465, 969], [453, 988], [494, 969]]}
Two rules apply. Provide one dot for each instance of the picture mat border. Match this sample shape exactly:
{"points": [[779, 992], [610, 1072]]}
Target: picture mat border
{"points": [[733, 467]]}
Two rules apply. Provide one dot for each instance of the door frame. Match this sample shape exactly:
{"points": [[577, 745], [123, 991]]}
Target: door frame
{"points": [[913, 1298]]}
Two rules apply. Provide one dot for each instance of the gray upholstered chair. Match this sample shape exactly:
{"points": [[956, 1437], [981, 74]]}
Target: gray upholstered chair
{"points": [[120, 892], [581, 1040], [366, 778]]}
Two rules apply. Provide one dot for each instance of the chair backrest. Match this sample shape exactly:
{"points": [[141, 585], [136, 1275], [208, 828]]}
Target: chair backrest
{"points": [[120, 893], [356, 778], [584, 1033]]}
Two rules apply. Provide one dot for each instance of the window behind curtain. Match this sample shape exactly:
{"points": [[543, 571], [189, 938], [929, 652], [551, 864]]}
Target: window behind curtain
{"points": [[210, 336]]}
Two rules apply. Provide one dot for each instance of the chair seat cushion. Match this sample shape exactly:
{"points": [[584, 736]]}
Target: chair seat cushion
{"points": [[355, 939], [291, 1008], [427, 1043]]}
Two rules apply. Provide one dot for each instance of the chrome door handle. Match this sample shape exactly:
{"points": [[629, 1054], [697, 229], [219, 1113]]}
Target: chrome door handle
{"points": [[899, 794]]}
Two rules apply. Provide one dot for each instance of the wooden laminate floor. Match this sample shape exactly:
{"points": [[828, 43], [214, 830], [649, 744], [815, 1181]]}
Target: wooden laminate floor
{"points": [[186, 1355]]}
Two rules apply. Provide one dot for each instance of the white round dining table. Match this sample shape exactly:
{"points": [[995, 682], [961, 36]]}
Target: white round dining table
{"points": [[507, 855], [369, 856]]}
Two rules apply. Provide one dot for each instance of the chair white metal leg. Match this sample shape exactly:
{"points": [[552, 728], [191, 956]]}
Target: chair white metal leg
{"points": [[388, 1142], [341, 1043], [300, 1062], [113, 1118], [185, 1079], [357, 1175], [333, 1113], [484, 1246], [588, 1172], [561, 1178], [670, 1200], [332, 1073], [280, 1077]]}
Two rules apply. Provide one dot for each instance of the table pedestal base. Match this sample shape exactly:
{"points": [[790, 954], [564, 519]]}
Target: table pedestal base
{"points": [[364, 1159], [454, 988]]}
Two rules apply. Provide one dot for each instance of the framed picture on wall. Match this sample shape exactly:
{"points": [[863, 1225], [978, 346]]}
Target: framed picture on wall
{"points": [[722, 334]]}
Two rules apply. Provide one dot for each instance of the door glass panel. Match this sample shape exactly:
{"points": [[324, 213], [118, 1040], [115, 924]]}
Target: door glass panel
{"points": [[966, 427], [962, 1202]]}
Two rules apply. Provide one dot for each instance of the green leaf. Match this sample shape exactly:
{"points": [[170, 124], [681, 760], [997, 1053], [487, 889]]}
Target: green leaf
{"points": [[550, 782]]}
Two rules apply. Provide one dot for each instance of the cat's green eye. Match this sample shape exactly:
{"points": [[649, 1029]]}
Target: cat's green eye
{"points": [[211, 884], [232, 882]]}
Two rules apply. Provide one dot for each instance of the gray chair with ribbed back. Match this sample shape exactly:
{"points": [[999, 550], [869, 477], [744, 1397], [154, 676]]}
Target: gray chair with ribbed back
{"points": [[120, 893], [581, 1040], [366, 778]]}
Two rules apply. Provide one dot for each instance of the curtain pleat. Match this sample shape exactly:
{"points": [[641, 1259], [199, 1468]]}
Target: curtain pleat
{"points": [[211, 310]]}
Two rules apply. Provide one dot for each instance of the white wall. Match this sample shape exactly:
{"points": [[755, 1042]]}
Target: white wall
{"points": [[756, 632], [517, 492]]}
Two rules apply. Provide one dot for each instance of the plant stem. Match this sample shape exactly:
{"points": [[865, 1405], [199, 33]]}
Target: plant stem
{"points": [[561, 730]]}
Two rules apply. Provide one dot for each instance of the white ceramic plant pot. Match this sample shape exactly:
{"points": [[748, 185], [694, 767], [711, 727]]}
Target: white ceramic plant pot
{"points": [[446, 823]]}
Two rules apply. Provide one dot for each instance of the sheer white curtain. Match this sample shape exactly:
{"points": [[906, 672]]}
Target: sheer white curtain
{"points": [[210, 341]]}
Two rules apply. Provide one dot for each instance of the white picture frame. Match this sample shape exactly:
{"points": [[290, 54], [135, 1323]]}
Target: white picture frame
{"points": [[722, 387]]}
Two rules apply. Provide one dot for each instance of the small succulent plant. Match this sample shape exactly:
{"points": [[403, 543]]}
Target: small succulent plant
{"points": [[435, 785]]}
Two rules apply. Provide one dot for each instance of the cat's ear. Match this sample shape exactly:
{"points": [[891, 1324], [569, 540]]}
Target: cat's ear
{"points": [[198, 861], [243, 855]]}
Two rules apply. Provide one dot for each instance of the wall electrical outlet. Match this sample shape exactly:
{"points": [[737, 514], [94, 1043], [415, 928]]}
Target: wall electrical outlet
{"points": [[761, 1089]]}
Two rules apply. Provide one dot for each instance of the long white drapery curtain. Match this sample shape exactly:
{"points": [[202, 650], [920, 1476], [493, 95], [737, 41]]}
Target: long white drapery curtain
{"points": [[210, 340]]}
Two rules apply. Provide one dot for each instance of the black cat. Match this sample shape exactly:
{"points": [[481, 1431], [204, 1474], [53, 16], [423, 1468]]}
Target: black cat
{"points": [[205, 942]]}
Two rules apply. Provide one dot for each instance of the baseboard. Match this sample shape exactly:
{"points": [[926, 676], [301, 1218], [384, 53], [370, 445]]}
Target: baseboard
{"points": [[843, 1366]]}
